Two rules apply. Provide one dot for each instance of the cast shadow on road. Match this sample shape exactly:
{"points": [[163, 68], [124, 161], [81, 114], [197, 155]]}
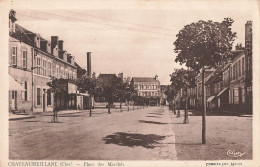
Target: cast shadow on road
{"points": [[153, 116], [152, 122], [156, 113], [132, 139]]}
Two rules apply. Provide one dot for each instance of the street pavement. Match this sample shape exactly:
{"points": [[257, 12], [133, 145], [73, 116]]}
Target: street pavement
{"points": [[152, 133], [142, 134]]}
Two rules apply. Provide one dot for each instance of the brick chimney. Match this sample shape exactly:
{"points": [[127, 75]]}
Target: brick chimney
{"points": [[121, 76], [239, 47], [60, 45], [89, 64], [248, 31], [12, 19], [156, 77], [54, 42], [93, 75]]}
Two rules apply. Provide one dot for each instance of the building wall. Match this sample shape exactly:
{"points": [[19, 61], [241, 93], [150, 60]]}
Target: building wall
{"points": [[58, 69], [22, 74], [147, 88]]}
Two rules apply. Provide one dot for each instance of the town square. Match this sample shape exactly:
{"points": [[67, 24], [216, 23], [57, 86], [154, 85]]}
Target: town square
{"points": [[131, 83]]}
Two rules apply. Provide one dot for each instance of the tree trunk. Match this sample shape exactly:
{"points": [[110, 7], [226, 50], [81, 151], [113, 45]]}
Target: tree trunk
{"points": [[128, 105], [120, 106], [55, 113], [174, 106], [133, 107], [204, 107], [186, 119], [90, 105]]}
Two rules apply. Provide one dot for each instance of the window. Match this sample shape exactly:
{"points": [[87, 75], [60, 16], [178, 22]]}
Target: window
{"points": [[57, 71], [243, 66], [236, 96], [66, 74], [49, 69], [243, 95], [24, 59], [234, 71], [239, 68], [230, 71], [14, 56], [44, 67], [48, 97], [236, 65], [38, 100], [24, 93], [38, 64], [61, 72]]}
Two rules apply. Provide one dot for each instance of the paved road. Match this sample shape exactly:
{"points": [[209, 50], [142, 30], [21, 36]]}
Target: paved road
{"points": [[144, 134]]}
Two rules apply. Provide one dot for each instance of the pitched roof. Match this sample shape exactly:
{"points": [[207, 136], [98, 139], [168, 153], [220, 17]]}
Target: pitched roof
{"points": [[144, 79], [23, 35], [216, 75], [107, 78], [235, 53]]}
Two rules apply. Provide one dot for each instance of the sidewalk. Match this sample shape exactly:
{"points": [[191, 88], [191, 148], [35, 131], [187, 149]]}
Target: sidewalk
{"points": [[223, 133], [13, 117]]}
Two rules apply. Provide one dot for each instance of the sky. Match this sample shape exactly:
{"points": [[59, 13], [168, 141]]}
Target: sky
{"points": [[138, 43]]}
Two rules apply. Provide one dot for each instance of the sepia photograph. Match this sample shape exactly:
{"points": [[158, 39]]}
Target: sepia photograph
{"points": [[110, 83]]}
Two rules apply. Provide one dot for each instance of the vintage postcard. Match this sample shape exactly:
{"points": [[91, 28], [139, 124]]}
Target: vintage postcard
{"points": [[129, 83]]}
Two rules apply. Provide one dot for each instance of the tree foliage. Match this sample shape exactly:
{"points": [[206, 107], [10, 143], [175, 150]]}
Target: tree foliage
{"points": [[204, 43], [88, 84]]}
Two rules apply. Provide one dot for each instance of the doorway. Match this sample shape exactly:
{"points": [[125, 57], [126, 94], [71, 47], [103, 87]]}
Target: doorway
{"points": [[14, 100]]}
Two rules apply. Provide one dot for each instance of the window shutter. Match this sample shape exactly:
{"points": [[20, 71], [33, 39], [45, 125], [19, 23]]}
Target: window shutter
{"points": [[25, 94], [15, 55]]}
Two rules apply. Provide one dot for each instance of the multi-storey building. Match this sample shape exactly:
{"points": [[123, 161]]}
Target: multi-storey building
{"points": [[33, 61], [163, 96], [147, 87]]}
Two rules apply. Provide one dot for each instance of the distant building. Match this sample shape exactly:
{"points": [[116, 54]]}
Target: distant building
{"points": [[163, 96], [147, 87]]}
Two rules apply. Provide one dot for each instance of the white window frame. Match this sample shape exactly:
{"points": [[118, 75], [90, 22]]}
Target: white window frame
{"points": [[14, 55], [44, 63], [57, 71], [49, 68], [61, 72], [24, 58], [25, 86], [38, 65]]}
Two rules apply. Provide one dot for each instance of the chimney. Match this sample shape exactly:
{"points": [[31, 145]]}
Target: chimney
{"points": [[43, 45], [248, 32], [121, 76], [89, 64], [12, 19], [60, 43], [239, 47], [54, 42], [156, 77], [94, 75]]}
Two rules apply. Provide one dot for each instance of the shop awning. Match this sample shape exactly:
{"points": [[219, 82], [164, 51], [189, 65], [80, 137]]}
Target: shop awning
{"points": [[220, 93], [210, 98], [83, 94], [14, 85]]}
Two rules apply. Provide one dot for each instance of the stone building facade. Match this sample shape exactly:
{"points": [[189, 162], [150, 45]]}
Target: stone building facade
{"points": [[33, 60]]}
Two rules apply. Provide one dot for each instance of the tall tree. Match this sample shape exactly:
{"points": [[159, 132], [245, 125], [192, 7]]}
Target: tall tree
{"points": [[110, 88], [183, 79], [88, 85], [204, 44]]}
